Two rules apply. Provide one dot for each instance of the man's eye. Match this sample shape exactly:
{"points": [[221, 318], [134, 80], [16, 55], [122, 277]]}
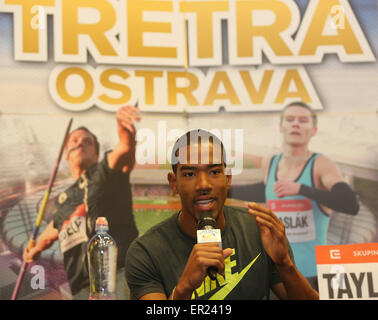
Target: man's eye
{"points": [[87, 141], [188, 174], [215, 172]]}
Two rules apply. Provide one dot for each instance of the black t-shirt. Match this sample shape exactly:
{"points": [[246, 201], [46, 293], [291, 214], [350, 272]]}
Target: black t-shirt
{"points": [[101, 192], [156, 260]]}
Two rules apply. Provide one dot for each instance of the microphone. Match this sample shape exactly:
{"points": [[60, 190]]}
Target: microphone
{"points": [[207, 232]]}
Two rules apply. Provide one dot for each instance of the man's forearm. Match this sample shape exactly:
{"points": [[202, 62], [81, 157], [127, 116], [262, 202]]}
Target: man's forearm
{"points": [[35, 248], [296, 285], [121, 157], [47, 238], [43, 244], [340, 198], [181, 292]]}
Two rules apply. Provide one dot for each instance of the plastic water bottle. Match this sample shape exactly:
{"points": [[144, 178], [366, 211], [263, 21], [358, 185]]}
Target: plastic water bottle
{"points": [[102, 263]]}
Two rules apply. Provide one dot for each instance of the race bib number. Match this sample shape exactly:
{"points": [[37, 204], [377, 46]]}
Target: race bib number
{"points": [[297, 216], [73, 231]]}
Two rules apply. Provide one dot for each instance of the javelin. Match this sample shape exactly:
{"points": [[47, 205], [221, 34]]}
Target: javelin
{"points": [[40, 213]]}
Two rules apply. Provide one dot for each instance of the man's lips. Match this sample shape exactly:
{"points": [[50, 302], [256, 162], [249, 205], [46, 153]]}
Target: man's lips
{"points": [[73, 149], [204, 203]]}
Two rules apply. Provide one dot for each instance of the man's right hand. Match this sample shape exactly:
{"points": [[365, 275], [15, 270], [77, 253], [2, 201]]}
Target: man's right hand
{"points": [[203, 255], [31, 253], [123, 155], [45, 240]]}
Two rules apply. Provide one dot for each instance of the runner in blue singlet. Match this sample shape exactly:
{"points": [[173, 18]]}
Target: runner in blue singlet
{"points": [[305, 222], [303, 188]]}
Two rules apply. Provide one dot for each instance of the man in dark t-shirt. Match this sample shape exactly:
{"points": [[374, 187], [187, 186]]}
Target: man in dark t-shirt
{"points": [[168, 263], [249, 271], [106, 193], [100, 189]]}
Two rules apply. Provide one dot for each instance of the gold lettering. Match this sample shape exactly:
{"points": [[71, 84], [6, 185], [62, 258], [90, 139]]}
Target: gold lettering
{"points": [[61, 85], [204, 11], [30, 34], [107, 83], [292, 75], [247, 32], [149, 77], [344, 34], [137, 27], [71, 28], [230, 94], [187, 91], [257, 96]]}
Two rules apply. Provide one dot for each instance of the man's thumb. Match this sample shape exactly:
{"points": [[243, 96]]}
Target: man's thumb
{"points": [[227, 252]]}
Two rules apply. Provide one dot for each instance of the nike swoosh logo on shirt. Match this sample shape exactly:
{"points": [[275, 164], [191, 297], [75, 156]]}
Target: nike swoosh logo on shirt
{"points": [[232, 282]]}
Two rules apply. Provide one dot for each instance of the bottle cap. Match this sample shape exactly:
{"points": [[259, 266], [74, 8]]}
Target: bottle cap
{"points": [[101, 222]]}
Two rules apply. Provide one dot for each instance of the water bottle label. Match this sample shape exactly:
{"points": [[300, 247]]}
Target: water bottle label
{"points": [[73, 231], [102, 264], [112, 269]]}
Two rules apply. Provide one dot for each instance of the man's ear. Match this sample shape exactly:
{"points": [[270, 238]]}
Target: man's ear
{"points": [[65, 154], [315, 131], [228, 181], [172, 182]]}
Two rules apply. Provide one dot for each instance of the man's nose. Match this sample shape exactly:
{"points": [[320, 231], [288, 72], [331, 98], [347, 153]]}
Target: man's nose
{"points": [[203, 184], [79, 142], [296, 123]]}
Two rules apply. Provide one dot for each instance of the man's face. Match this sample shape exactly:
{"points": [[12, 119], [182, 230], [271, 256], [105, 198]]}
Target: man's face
{"points": [[200, 179], [81, 149], [297, 126]]}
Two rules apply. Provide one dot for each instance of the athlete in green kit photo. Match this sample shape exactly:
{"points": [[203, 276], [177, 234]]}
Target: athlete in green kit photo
{"points": [[100, 189]]}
